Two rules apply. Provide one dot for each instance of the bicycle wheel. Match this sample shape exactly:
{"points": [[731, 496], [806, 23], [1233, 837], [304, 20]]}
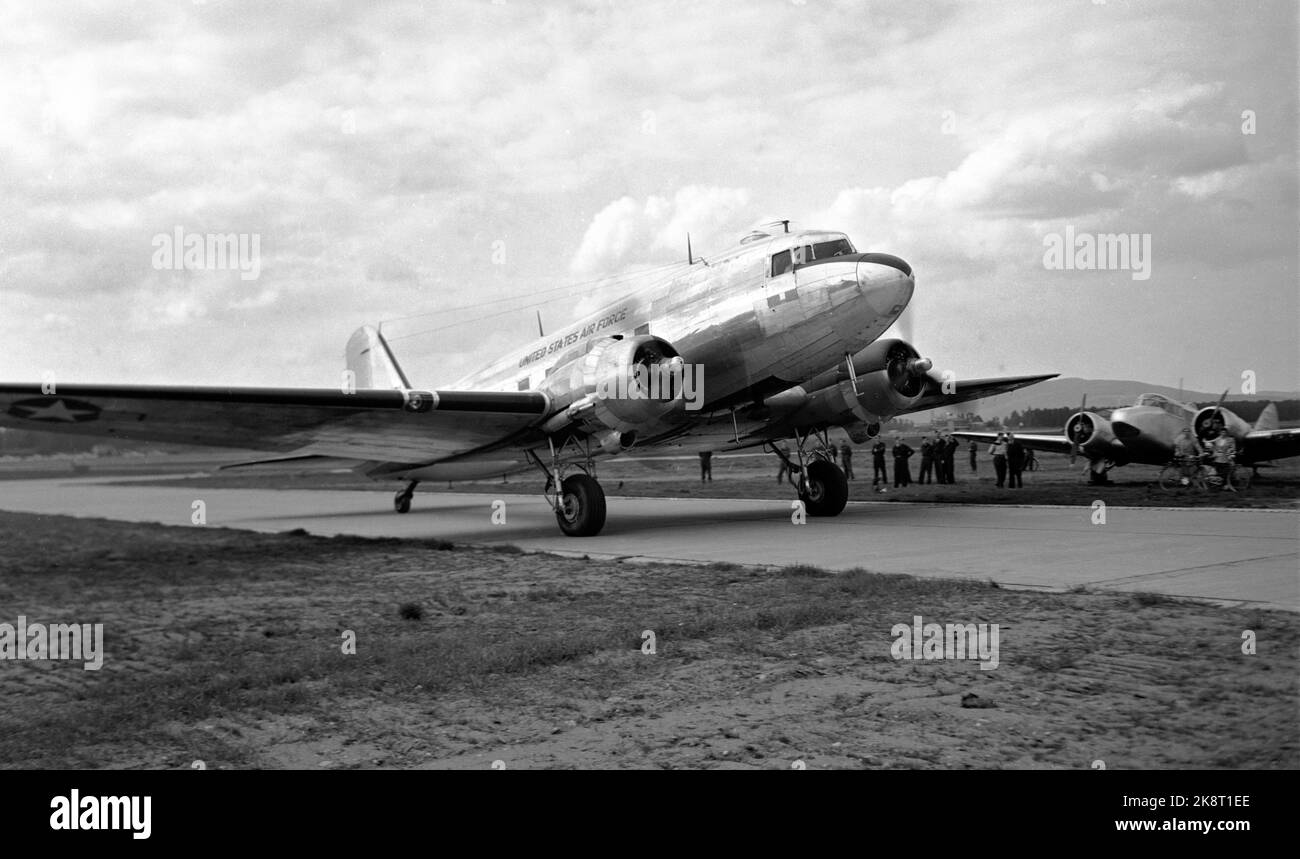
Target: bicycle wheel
{"points": [[1171, 478]]}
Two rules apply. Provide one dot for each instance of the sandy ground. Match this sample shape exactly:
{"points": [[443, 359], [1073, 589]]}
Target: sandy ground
{"points": [[226, 647]]}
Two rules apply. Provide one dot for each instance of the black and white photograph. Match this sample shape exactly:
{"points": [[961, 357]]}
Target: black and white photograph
{"points": [[482, 385]]}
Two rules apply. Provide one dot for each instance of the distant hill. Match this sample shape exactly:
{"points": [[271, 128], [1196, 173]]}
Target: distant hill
{"points": [[1102, 393]]}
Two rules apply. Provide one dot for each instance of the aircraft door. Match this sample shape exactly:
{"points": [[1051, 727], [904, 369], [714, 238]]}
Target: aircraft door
{"points": [[780, 311]]}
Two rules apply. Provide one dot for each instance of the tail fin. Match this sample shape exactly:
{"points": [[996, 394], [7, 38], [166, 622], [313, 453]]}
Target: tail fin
{"points": [[1267, 418], [372, 362]]}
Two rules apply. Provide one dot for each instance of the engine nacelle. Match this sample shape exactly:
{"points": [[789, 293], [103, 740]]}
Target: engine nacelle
{"points": [[895, 381], [1206, 424], [898, 385], [861, 432], [1090, 431], [619, 386]]}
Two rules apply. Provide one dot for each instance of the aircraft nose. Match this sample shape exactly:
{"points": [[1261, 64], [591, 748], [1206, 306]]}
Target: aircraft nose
{"points": [[886, 280], [1124, 429]]}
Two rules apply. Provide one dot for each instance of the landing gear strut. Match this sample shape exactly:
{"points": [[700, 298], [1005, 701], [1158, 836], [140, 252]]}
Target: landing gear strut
{"points": [[402, 500], [577, 499], [823, 488]]}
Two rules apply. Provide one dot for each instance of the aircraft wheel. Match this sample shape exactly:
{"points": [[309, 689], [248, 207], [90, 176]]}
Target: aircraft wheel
{"points": [[827, 490], [581, 507], [402, 501]]}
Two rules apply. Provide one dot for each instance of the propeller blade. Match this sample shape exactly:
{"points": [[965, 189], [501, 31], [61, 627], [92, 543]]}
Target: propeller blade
{"points": [[1074, 441]]}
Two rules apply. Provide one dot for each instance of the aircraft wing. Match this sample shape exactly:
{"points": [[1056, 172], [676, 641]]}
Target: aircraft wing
{"points": [[1050, 443], [1263, 445], [974, 389], [392, 426]]}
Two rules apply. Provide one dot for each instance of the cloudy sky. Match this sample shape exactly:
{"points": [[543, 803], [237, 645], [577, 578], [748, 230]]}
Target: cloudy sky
{"points": [[446, 166]]}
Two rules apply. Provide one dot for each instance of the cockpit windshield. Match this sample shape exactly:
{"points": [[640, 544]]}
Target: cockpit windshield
{"points": [[786, 261], [835, 248], [1161, 402]]}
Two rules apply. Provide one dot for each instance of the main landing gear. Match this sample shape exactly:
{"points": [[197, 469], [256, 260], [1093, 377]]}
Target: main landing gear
{"points": [[823, 488], [577, 499], [402, 500]]}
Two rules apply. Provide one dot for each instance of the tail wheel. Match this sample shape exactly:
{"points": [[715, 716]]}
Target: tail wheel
{"points": [[826, 490], [580, 509]]}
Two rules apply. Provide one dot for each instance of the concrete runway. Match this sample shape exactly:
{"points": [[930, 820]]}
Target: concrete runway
{"points": [[1235, 556]]}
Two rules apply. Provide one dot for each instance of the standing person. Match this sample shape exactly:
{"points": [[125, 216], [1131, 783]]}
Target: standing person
{"points": [[1224, 452], [998, 450], [949, 459], [706, 465], [846, 457], [1187, 453], [783, 454], [927, 461], [1015, 461], [974, 448], [878, 473], [902, 472]]}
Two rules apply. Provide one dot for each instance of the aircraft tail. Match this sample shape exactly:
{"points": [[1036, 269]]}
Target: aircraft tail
{"points": [[1267, 418], [371, 361]]}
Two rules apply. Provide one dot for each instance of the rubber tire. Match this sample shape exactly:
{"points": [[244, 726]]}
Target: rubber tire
{"points": [[582, 496], [828, 489], [402, 502]]}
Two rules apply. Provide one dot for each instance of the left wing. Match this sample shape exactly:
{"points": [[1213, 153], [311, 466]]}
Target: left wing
{"points": [[976, 389], [392, 426], [1052, 443]]}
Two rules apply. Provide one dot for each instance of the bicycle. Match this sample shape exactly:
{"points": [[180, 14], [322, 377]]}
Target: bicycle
{"points": [[1177, 476]]}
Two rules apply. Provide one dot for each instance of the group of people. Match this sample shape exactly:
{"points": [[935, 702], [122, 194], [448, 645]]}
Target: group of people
{"points": [[1221, 451], [1009, 459], [937, 458]]}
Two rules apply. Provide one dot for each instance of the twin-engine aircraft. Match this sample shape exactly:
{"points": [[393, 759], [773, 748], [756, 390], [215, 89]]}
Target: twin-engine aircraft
{"points": [[775, 339], [1145, 433]]}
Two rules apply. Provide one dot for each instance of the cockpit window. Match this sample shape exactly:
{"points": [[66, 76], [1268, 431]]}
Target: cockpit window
{"points": [[1163, 403], [835, 248], [786, 261], [781, 263]]}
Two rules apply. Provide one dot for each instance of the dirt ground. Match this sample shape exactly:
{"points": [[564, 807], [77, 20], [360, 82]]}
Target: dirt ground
{"points": [[226, 647]]}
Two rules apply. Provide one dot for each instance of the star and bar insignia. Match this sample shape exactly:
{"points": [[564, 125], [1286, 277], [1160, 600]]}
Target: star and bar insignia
{"points": [[54, 410]]}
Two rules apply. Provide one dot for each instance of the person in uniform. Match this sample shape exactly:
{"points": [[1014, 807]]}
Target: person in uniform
{"points": [[950, 446], [902, 471], [1015, 461], [878, 473], [927, 461], [706, 465], [974, 449], [846, 457]]}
